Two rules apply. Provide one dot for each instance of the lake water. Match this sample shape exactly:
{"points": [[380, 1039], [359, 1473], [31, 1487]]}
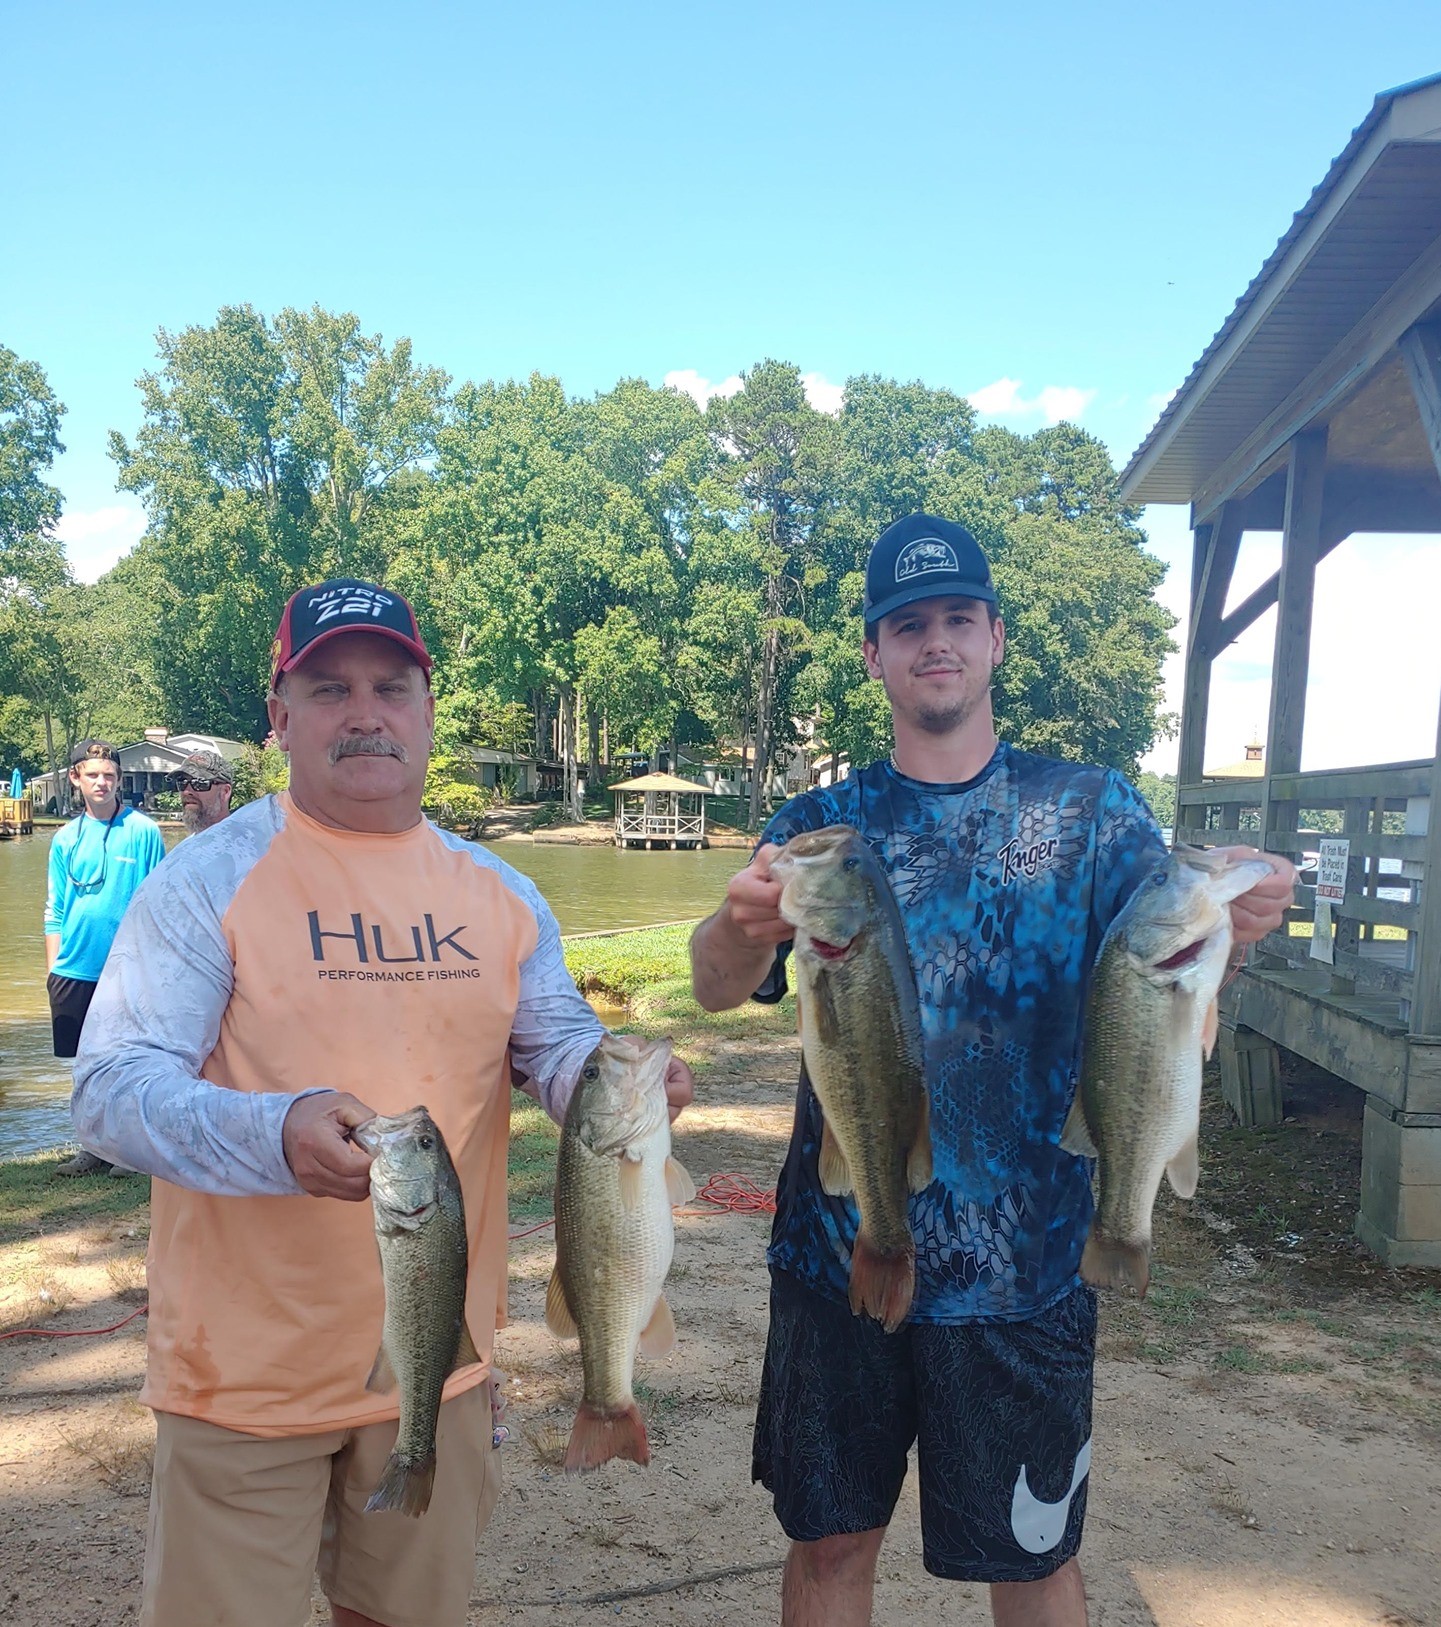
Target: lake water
{"points": [[591, 889]]}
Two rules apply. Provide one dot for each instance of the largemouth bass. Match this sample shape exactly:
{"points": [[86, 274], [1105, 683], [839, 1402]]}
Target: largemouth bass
{"points": [[861, 1038], [420, 1227], [1150, 1021], [615, 1183]]}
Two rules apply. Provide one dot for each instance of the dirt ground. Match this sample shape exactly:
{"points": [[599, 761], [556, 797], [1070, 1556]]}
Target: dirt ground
{"points": [[1268, 1423]]}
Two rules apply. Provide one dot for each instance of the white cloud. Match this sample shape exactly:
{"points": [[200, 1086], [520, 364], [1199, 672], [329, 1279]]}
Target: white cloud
{"points": [[699, 388], [820, 392], [96, 538], [1052, 403], [1161, 400]]}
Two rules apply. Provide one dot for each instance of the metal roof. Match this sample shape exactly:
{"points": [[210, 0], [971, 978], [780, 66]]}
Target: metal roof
{"points": [[1377, 210]]}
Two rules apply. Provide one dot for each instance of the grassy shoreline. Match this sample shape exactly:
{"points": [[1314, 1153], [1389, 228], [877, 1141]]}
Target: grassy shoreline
{"points": [[643, 970]]}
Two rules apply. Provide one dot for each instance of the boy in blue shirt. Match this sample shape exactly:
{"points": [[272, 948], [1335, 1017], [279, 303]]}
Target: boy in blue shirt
{"points": [[97, 863], [1008, 868]]}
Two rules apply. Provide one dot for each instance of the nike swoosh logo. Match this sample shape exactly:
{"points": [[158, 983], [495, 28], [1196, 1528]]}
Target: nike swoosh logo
{"points": [[1039, 1526]]}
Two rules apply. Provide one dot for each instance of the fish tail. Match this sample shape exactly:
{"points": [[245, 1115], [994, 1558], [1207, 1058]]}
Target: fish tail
{"points": [[600, 1434], [1108, 1263], [883, 1281], [404, 1486]]}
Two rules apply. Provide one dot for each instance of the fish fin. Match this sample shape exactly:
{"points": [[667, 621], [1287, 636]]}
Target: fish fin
{"points": [[919, 1167], [598, 1436], [1106, 1263], [1184, 1170], [657, 1337], [382, 1375], [404, 1487], [632, 1182], [466, 1355], [1076, 1134], [678, 1182], [882, 1284], [834, 1170], [558, 1316], [828, 1022], [1210, 1029]]}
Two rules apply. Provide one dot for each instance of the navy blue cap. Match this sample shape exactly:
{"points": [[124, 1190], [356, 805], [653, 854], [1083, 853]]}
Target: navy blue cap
{"points": [[923, 557]]}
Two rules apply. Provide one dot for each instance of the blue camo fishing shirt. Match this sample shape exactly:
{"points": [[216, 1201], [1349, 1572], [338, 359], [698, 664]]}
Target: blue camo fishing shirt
{"points": [[1006, 885]]}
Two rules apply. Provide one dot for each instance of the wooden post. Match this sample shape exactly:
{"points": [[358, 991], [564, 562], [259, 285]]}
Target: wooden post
{"points": [[1426, 993], [1300, 547], [1421, 351], [1196, 694]]}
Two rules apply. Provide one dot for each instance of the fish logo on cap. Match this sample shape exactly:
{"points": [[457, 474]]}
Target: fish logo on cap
{"points": [[924, 555]]}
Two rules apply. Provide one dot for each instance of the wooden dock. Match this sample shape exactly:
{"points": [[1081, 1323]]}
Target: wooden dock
{"points": [[17, 817]]}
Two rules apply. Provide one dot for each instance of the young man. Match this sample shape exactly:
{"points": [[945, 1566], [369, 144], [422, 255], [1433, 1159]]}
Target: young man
{"points": [[97, 862], [205, 782], [1008, 868], [322, 956]]}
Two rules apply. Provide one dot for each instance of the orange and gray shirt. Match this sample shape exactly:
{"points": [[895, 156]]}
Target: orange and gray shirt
{"points": [[268, 958]]}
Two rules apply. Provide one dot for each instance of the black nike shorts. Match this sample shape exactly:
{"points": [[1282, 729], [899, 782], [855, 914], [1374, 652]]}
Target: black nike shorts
{"points": [[1000, 1413], [69, 1001]]}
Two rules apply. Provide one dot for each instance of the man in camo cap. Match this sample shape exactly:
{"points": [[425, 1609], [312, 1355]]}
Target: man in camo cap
{"points": [[205, 782]]}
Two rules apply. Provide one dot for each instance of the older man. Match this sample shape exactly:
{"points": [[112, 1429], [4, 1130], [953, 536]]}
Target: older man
{"points": [[205, 782], [324, 955]]}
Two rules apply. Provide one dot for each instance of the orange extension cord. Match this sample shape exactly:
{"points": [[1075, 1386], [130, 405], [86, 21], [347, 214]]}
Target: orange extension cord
{"points": [[728, 1194]]}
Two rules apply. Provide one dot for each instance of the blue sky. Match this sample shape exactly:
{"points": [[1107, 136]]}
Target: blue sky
{"points": [[1049, 207]]}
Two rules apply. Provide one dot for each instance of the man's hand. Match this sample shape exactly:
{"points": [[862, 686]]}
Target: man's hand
{"points": [[679, 1087], [1263, 909], [753, 900], [318, 1147]]}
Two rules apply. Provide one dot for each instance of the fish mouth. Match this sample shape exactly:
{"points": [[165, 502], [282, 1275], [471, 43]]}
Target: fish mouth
{"points": [[1183, 957]]}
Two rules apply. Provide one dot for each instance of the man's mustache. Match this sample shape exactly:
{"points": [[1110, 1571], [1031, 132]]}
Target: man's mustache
{"points": [[368, 745]]}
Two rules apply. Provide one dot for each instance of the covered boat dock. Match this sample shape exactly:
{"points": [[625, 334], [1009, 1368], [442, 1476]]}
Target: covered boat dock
{"points": [[660, 810], [1316, 411]]}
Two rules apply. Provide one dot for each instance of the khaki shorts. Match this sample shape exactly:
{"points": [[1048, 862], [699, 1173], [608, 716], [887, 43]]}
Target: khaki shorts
{"points": [[240, 1524]]}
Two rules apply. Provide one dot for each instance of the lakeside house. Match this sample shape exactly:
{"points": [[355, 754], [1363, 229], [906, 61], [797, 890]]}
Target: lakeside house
{"points": [[145, 768]]}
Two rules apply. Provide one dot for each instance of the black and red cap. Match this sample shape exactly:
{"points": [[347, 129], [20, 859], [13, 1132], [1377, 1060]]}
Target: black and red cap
{"points": [[315, 615]]}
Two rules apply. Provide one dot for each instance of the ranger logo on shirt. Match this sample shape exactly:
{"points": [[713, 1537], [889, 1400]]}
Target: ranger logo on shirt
{"points": [[1017, 860]]}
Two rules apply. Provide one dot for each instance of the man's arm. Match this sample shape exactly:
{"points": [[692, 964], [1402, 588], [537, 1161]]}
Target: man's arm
{"points": [[139, 1098], [57, 887], [554, 1030], [732, 950]]}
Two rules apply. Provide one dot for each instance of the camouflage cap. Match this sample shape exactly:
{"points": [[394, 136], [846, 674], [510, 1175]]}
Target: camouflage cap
{"points": [[206, 765]]}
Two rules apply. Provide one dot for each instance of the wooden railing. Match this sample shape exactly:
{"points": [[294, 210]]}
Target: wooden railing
{"points": [[1384, 813], [666, 825]]}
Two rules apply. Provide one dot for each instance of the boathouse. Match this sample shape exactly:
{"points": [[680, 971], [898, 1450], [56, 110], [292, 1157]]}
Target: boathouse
{"points": [[660, 810], [1316, 411]]}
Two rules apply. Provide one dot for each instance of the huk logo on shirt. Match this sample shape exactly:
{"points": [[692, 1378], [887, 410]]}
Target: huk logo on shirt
{"points": [[369, 946], [1017, 860]]}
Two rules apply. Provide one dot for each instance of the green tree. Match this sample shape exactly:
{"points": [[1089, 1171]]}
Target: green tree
{"points": [[625, 671], [30, 555], [1159, 791], [266, 457], [777, 469]]}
